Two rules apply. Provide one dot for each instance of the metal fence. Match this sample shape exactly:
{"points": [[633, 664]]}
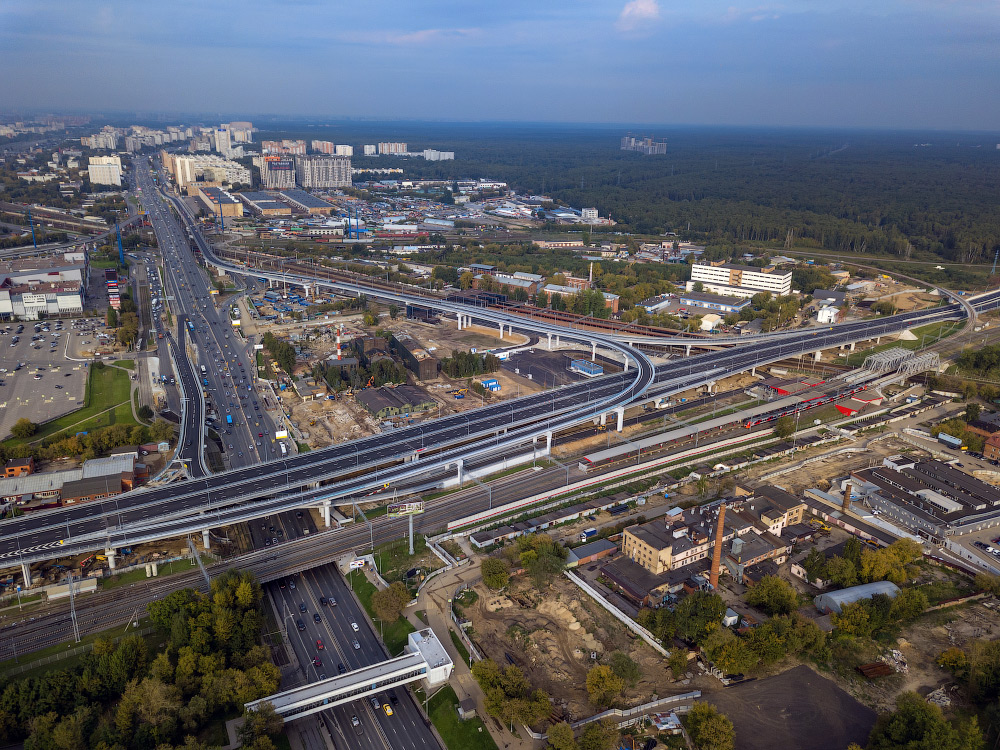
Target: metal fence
{"points": [[69, 653]]}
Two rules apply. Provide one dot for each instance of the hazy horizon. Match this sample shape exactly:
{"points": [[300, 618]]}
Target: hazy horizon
{"points": [[902, 64]]}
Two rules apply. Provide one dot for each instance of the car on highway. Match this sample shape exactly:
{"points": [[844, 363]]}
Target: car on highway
{"points": [[373, 702], [317, 662], [319, 644], [316, 618], [341, 669], [354, 720], [387, 708], [291, 584], [393, 698], [300, 625], [357, 646], [354, 627]]}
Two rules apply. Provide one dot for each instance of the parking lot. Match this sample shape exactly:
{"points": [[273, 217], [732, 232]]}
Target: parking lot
{"points": [[39, 382]]}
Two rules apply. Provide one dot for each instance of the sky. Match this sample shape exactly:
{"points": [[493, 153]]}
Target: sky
{"points": [[907, 64]]}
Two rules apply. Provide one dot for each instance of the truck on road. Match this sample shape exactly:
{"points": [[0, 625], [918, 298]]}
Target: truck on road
{"points": [[587, 534]]}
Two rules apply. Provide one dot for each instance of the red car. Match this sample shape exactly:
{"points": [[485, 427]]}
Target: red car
{"points": [[319, 644]]}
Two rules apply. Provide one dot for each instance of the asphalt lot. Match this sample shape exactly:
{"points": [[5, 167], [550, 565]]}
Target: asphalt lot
{"points": [[61, 383], [798, 708]]}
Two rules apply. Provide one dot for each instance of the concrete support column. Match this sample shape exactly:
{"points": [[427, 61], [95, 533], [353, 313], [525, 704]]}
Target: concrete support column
{"points": [[206, 540], [593, 351], [459, 319], [461, 473], [557, 339], [625, 369], [687, 350], [550, 342], [621, 418], [852, 346], [548, 442], [501, 331], [604, 418], [26, 574], [110, 554], [326, 513], [753, 371], [878, 339], [818, 356]]}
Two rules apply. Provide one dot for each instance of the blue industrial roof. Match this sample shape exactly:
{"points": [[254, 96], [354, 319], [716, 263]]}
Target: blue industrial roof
{"points": [[305, 199]]}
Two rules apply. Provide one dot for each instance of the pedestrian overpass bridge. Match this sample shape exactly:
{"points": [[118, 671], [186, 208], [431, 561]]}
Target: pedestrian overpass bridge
{"points": [[425, 658]]}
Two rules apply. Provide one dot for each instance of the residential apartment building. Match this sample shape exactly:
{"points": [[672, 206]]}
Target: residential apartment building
{"points": [[731, 280], [323, 171], [276, 172], [105, 170], [286, 146], [370, 149], [431, 154], [344, 150], [104, 140], [392, 148], [322, 147], [205, 168]]}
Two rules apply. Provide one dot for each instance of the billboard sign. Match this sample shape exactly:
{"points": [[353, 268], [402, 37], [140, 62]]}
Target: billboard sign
{"points": [[357, 564], [280, 434], [397, 510]]}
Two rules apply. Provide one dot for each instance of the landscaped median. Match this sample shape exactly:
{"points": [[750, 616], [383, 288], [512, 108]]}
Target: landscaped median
{"points": [[393, 633]]}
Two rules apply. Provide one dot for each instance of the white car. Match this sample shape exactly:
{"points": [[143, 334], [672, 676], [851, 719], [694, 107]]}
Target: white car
{"points": [[354, 625]]}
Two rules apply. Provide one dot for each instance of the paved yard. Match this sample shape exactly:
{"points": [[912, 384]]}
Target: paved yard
{"points": [[798, 708]]}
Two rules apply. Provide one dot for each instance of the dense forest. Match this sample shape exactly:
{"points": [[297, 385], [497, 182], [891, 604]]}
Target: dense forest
{"points": [[909, 195]]}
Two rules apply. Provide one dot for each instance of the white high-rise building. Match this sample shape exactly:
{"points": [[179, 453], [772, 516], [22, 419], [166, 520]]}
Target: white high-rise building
{"points": [[370, 149], [344, 150], [431, 154], [323, 171], [223, 141], [105, 170], [392, 148]]}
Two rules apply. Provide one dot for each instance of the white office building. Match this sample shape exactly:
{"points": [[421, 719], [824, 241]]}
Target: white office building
{"points": [[589, 214], [733, 280], [105, 170]]}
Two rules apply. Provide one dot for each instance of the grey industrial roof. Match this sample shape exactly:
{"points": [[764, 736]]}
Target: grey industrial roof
{"points": [[306, 199], [832, 601]]}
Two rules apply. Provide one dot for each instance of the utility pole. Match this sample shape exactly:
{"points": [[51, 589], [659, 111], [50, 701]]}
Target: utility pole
{"points": [[32, 223]]}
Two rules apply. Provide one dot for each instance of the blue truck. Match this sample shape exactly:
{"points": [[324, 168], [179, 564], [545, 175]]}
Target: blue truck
{"points": [[229, 419], [587, 534]]}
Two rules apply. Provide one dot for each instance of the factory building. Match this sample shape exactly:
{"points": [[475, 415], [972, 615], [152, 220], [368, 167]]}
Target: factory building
{"points": [[262, 204], [217, 200]]}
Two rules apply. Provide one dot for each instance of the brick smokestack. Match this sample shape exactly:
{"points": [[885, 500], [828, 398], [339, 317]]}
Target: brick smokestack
{"points": [[717, 550]]}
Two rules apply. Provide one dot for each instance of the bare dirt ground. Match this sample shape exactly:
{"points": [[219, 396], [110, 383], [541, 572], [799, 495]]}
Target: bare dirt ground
{"points": [[335, 421], [551, 638], [920, 644]]}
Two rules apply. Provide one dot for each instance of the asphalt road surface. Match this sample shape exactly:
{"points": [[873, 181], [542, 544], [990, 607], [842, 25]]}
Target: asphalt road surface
{"points": [[340, 627]]}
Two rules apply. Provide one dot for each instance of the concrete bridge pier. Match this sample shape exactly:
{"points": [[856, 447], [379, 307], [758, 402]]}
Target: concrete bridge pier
{"points": [[625, 368], [687, 350], [604, 418], [326, 513], [851, 348], [501, 331], [548, 443], [206, 540], [550, 341], [26, 574], [753, 371], [461, 473], [621, 418], [817, 356], [593, 351], [110, 554], [458, 318]]}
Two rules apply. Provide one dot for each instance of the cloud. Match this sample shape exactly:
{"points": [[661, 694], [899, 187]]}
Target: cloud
{"points": [[637, 13], [760, 13], [427, 35]]}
